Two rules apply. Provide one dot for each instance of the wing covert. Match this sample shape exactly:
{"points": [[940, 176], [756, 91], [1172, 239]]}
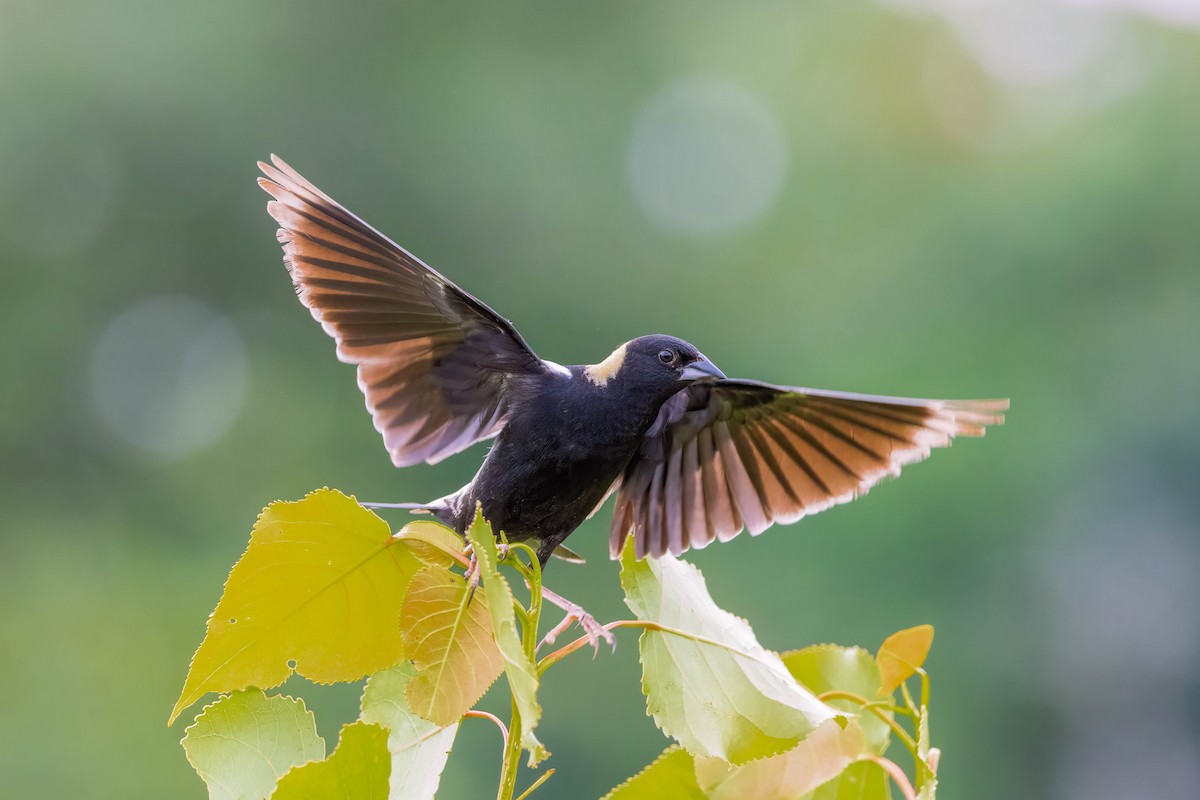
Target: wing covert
{"points": [[433, 361]]}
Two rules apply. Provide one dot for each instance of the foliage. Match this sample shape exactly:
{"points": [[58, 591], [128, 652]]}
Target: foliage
{"points": [[447, 637], [358, 768], [719, 694], [419, 747], [319, 582], [902, 654], [324, 589], [827, 669], [518, 651], [243, 744]]}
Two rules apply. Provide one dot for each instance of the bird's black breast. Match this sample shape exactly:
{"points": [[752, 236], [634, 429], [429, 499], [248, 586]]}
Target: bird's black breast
{"points": [[564, 444]]}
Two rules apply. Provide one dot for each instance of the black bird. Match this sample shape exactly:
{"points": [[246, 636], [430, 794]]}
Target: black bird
{"points": [[693, 456]]}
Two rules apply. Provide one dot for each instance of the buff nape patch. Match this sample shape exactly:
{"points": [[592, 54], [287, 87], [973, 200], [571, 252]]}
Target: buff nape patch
{"points": [[606, 370]]}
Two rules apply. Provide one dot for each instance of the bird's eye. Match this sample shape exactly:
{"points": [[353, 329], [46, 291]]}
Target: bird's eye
{"points": [[666, 356]]}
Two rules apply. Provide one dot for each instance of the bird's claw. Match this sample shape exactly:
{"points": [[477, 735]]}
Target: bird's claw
{"points": [[592, 629], [472, 574], [574, 612]]}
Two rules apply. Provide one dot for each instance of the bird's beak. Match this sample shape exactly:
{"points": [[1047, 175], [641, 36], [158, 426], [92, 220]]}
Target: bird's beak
{"points": [[701, 370]]}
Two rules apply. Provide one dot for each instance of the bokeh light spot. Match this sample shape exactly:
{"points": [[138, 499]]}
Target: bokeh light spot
{"points": [[169, 376], [706, 157]]}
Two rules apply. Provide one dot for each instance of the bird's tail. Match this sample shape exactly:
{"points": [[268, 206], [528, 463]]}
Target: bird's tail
{"points": [[419, 508], [443, 511], [443, 508]]}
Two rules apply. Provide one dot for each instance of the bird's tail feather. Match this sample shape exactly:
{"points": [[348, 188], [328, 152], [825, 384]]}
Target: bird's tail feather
{"points": [[418, 508]]}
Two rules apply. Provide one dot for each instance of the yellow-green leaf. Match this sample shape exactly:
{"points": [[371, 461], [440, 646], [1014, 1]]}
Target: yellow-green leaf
{"points": [[726, 696], [518, 666], [862, 780], [902, 654], [450, 643], [358, 769], [821, 757], [318, 592], [822, 668], [433, 542], [244, 742], [419, 748], [671, 776]]}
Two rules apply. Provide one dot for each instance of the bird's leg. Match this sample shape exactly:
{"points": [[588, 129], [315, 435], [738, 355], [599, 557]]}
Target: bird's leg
{"points": [[472, 572], [558, 629], [575, 613]]}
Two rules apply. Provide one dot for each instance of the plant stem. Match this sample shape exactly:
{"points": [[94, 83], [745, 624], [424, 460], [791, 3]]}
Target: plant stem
{"points": [[512, 757], [897, 775], [529, 619], [923, 771], [908, 701], [536, 784], [477, 714], [901, 734], [566, 650]]}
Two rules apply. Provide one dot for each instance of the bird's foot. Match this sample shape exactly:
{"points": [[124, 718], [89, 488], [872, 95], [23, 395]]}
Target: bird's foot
{"points": [[575, 613], [472, 573]]}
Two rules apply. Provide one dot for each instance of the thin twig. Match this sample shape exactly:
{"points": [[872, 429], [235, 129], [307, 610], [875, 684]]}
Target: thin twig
{"points": [[908, 700], [566, 650], [512, 758], [528, 617], [897, 775], [477, 714], [545, 776], [903, 735]]}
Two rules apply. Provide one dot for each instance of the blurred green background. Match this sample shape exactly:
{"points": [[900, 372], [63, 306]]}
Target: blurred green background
{"points": [[921, 197]]}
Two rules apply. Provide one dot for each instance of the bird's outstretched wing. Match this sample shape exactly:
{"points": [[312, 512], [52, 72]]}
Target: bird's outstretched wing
{"points": [[433, 361], [727, 455]]}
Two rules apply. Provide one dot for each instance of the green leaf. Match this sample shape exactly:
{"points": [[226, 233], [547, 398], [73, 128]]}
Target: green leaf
{"points": [[449, 641], [433, 543], [419, 748], [823, 668], [245, 741], [819, 758], [357, 769], [318, 592], [726, 697], [902, 654], [929, 790], [863, 780], [518, 666], [825, 766], [671, 776]]}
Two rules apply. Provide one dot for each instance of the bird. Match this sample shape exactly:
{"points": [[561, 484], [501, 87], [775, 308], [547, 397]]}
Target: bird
{"points": [[692, 456]]}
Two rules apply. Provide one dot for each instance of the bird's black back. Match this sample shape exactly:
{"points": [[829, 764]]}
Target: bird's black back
{"points": [[566, 441]]}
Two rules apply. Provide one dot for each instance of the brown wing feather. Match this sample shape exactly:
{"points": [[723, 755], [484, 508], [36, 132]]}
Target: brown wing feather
{"points": [[728, 455], [433, 361]]}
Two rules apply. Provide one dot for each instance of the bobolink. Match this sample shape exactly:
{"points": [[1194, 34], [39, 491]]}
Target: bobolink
{"points": [[692, 455]]}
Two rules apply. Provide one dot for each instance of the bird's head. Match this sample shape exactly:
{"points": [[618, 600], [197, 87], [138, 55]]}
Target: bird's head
{"points": [[658, 363]]}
